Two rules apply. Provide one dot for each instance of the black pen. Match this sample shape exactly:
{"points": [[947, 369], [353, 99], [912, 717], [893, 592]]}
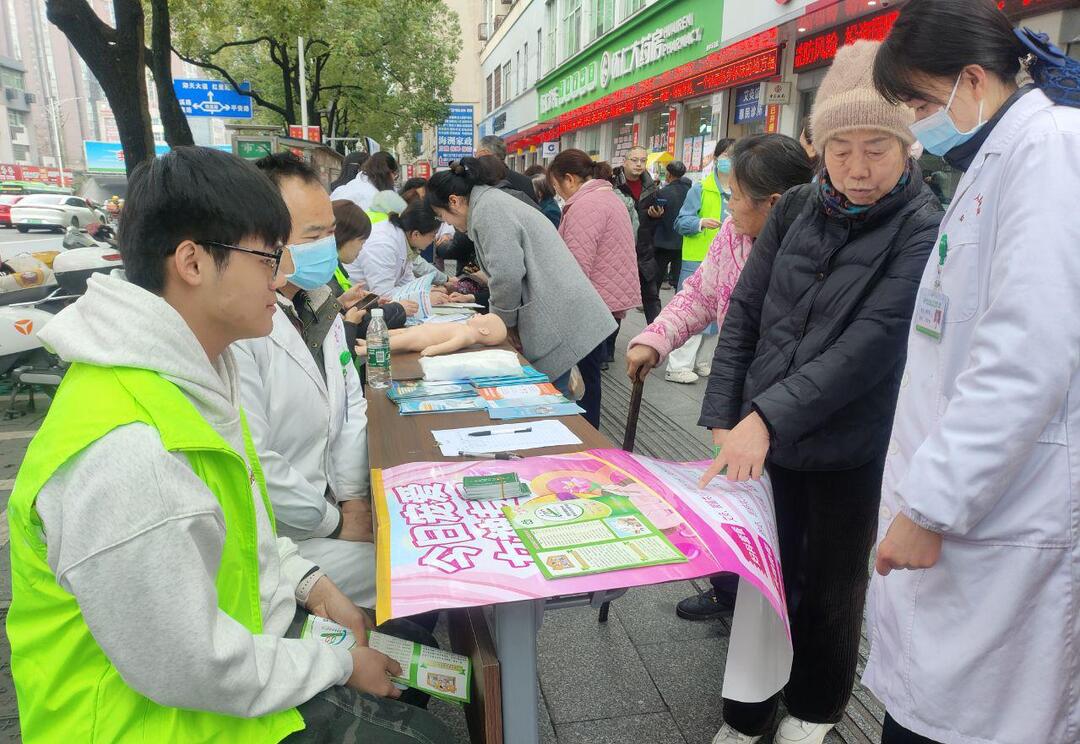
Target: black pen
{"points": [[489, 432]]}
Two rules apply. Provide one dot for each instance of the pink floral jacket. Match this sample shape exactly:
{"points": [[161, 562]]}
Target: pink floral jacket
{"points": [[704, 297]]}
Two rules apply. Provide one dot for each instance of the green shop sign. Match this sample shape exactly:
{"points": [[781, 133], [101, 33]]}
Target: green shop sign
{"points": [[668, 35]]}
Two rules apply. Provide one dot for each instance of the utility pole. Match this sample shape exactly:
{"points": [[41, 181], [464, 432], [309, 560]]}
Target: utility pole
{"points": [[303, 87]]}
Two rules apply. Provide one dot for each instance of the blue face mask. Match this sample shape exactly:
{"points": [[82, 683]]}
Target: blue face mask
{"points": [[938, 133], [723, 165], [314, 263]]}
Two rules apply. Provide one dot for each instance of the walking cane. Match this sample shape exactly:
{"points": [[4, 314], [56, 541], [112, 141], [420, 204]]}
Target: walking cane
{"points": [[628, 446]]}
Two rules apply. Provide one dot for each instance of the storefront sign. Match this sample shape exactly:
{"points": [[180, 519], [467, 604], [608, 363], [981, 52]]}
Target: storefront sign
{"points": [[550, 149], [423, 169], [672, 122], [772, 118], [665, 38], [750, 69], [16, 172], [454, 137], [820, 49], [748, 104], [1020, 8], [314, 133], [775, 94], [499, 123], [253, 148]]}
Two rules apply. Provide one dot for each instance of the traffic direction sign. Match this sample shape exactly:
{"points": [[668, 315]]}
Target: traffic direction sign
{"points": [[212, 98]]}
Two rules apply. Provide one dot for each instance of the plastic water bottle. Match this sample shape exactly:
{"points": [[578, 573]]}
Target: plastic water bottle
{"points": [[378, 351]]}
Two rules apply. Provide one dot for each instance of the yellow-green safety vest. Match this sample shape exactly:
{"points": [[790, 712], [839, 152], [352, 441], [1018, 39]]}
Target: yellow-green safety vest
{"points": [[696, 247], [340, 276], [68, 690]]}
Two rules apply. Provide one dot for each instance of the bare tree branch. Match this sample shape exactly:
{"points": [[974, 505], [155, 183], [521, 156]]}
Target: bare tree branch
{"points": [[229, 79]]}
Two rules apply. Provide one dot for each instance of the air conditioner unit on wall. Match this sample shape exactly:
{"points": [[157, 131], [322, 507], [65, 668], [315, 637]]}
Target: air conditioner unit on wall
{"points": [[482, 33], [30, 98], [499, 21], [10, 93]]}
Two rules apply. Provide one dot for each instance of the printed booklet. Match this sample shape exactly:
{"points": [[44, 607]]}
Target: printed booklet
{"points": [[439, 673]]}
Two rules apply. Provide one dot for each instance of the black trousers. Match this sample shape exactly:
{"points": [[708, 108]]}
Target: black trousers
{"points": [[609, 344], [826, 523], [894, 733], [669, 262], [650, 295], [589, 367]]}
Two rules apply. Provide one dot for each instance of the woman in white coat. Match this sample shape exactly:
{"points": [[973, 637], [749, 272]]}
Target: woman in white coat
{"points": [[384, 262], [979, 641]]}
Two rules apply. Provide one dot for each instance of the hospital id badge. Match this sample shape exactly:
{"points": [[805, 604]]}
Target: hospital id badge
{"points": [[930, 311]]}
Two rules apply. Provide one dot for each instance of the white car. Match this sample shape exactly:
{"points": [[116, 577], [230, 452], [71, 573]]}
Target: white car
{"points": [[53, 212]]}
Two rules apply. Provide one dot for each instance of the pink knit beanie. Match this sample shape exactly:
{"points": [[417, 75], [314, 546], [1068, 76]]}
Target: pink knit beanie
{"points": [[847, 99]]}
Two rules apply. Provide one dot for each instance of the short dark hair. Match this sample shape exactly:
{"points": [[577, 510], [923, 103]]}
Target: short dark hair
{"points": [[939, 38], [494, 144], [199, 194], [535, 170], [412, 183], [496, 169], [676, 168], [722, 146], [281, 165], [352, 222], [349, 168], [767, 164]]}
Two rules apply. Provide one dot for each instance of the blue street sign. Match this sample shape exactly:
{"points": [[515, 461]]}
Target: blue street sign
{"points": [[211, 98], [454, 137], [748, 104]]}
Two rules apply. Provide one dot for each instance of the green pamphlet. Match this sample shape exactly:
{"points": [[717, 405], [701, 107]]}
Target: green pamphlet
{"points": [[589, 535], [439, 673]]}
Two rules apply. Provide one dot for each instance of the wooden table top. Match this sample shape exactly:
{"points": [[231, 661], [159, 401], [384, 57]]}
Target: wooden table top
{"points": [[394, 439]]}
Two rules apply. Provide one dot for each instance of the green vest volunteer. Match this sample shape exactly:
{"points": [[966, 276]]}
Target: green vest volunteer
{"points": [[695, 247]]}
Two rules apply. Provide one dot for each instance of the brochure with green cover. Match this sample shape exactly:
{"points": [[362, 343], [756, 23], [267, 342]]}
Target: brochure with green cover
{"points": [[439, 673], [589, 535]]}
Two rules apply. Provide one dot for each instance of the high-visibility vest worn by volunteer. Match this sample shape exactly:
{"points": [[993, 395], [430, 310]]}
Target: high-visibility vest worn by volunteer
{"points": [[67, 688], [696, 247], [340, 276]]}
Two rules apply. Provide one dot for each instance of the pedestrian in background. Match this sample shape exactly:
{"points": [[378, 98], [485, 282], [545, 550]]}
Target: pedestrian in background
{"points": [[700, 218], [666, 240], [980, 640], [805, 377], [349, 168], [555, 317], [545, 197], [597, 231], [494, 145], [633, 179]]}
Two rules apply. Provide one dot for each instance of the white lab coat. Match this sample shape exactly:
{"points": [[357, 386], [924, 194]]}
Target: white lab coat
{"points": [[383, 263], [360, 191], [310, 432], [985, 646]]}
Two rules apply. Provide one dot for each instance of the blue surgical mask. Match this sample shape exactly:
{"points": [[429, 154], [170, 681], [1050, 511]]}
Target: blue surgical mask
{"points": [[938, 133], [723, 165], [314, 263]]}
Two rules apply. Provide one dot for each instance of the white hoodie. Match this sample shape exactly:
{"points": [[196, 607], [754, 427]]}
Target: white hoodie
{"points": [[137, 538]]}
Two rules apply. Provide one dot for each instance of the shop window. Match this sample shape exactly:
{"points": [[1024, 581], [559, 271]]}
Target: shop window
{"points": [[629, 7], [572, 24], [489, 86], [507, 82], [623, 131], [498, 87], [589, 141], [699, 135], [941, 177], [21, 153], [656, 130], [603, 17], [11, 79]]}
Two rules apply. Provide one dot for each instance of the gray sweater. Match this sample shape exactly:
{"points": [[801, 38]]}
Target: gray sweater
{"points": [[536, 284]]}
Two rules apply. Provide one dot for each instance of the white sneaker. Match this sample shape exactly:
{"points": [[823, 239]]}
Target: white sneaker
{"points": [[703, 370], [796, 731], [728, 735], [682, 376]]}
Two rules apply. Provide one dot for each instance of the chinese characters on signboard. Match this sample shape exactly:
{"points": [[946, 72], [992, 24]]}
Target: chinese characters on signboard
{"points": [[454, 138]]}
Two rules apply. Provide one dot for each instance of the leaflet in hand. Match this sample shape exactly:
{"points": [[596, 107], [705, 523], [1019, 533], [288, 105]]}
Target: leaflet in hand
{"points": [[589, 535], [439, 673]]}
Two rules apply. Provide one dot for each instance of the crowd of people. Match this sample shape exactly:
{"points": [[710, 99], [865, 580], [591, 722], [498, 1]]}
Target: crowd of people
{"points": [[905, 377]]}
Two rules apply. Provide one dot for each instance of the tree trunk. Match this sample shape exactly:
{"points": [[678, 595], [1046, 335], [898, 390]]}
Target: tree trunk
{"points": [[177, 131], [117, 58]]}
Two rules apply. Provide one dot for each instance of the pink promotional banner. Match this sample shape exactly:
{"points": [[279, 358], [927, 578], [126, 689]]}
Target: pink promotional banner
{"points": [[437, 550]]}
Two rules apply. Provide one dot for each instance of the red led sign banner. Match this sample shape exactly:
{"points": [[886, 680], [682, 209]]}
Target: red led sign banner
{"points": [[820, 49]]}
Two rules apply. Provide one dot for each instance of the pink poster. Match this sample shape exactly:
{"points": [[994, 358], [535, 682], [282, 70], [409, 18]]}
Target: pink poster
{"points": [[437, 550]]}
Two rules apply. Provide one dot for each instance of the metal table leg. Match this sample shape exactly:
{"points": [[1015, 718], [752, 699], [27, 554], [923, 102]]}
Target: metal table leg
{"points": [[516, 626]]}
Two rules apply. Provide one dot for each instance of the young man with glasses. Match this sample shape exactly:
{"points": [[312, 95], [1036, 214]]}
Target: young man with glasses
{"points": [[151, 598]]}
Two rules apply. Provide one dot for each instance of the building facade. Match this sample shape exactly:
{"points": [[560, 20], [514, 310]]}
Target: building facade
{"points": [[677, 75]]}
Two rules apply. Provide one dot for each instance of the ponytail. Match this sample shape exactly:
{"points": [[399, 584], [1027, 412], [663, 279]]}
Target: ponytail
{"points": [[459, 180]]}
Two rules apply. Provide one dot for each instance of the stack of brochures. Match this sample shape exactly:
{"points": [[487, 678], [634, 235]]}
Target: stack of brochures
{"points": [[416, 397], [534, 400], [502, 486]]}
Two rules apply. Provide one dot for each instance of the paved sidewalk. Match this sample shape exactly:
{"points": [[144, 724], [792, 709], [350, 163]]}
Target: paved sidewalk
{"points": [[644, 677]]}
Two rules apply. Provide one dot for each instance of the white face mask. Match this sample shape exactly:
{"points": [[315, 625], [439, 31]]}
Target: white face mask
{"points": [[938, 133]]}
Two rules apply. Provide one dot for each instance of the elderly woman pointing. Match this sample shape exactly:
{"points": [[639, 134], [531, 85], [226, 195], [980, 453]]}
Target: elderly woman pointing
{"points": [[805, 378]]}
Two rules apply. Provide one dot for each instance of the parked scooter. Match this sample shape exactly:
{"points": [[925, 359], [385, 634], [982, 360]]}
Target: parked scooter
{"points": [[89, 250]]}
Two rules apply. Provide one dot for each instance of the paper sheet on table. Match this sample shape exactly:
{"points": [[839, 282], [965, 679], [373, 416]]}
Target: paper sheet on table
{"points": [[418, 291], [455, 442]]}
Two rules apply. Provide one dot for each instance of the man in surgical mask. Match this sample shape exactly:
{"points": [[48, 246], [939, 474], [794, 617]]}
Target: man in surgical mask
{"points": [[303, 400]]}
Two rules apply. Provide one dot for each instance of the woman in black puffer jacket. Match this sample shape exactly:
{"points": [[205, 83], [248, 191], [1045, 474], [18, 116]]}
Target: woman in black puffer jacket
{"points": [[806, 374]]}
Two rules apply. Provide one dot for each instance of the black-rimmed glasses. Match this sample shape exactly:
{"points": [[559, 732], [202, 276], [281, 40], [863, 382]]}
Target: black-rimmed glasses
{"points": [[274, 259]]}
